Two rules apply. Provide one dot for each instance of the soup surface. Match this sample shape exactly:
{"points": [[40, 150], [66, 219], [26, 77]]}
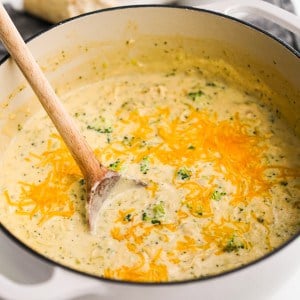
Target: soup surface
{"points": [[222, 169]]}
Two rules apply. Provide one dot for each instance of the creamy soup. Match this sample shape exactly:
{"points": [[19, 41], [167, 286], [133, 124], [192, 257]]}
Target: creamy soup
{"points": [[222, 169]]}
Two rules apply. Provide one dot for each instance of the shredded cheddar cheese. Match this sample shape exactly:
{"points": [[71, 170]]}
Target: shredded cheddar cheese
{"points": [[221, 234], [155, 272], [188, 244], [49, 198]]}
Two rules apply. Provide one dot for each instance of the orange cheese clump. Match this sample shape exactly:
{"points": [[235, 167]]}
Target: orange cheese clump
{"points": [[49, 198]]}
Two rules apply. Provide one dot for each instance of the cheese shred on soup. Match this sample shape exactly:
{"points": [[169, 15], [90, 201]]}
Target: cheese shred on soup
{"points": [[221, 163]]}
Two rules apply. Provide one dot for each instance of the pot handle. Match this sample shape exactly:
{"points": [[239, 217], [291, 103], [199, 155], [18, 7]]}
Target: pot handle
{"points": [[258, 8], [62, 285]]}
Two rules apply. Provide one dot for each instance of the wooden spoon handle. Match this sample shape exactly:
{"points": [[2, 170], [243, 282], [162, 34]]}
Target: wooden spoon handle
{"points": [[76, 143]]}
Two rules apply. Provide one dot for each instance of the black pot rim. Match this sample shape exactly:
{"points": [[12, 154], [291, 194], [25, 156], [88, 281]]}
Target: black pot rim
{"points": [[132, 283]]}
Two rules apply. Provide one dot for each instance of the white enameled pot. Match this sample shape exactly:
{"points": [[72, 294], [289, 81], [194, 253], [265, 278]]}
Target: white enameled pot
{"points": [[254, 281]]}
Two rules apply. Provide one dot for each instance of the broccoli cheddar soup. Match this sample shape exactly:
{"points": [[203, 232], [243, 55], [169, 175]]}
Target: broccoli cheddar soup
{"points": [[221, 165]]}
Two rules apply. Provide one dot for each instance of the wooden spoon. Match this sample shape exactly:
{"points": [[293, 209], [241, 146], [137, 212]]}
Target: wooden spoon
{"points": [[99, 179]]}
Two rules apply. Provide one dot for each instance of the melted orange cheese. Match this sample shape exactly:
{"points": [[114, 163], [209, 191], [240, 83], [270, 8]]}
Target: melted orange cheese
{"points": [[50, 197]]}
